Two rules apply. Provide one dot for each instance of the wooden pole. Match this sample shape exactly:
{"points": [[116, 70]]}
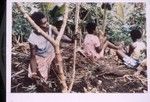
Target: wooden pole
{"points": [[104, 19], [75, 45]]}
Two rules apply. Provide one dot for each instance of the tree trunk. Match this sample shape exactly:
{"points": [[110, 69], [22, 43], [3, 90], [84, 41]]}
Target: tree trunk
{"points": [[60, 69], [104, 19], [58, 53], [75, 45]]}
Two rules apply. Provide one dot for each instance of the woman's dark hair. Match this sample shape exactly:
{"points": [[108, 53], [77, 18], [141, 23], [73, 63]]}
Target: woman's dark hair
{"points": [[90, 27], [135, 34], [37, 16]]}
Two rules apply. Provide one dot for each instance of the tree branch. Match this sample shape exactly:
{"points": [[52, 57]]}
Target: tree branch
{"points": [[64, 24], [104, 19], [75, 45]]}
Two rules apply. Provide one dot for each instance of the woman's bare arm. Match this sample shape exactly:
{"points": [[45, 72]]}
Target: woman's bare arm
{"points": [[64, 37]]}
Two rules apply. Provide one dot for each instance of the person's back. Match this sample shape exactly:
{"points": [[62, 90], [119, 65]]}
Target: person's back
{"points": [[89, 44], [92, 44]]}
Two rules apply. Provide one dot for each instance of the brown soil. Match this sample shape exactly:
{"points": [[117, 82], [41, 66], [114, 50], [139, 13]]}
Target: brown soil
{"points": [[107, 75]]}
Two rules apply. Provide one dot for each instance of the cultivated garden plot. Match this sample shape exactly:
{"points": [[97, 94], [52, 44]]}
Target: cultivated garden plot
{"points": [[71, 70]]}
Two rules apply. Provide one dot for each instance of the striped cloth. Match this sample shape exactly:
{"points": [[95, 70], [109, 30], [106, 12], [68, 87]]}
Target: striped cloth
{"points": [[44, 53]]}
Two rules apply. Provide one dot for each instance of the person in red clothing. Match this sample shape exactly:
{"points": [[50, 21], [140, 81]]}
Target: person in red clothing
{"points": [[92, 47]]}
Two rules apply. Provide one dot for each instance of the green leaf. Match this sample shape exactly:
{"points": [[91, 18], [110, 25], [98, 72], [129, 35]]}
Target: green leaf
{"points": [[62, 9]]}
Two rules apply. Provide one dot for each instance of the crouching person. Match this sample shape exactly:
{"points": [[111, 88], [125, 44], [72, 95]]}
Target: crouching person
{"points": [[92, 48], [42, 51], [134, 58]]}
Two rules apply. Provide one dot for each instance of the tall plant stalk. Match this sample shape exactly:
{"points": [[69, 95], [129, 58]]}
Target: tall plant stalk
{"points": [[75, 44]]}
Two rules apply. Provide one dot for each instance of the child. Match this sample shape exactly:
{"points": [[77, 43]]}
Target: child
{"points": [[136, 50], [91, 46], [138, 47], [42, 51]]}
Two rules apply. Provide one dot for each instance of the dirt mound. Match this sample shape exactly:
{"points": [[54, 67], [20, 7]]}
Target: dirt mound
{"points": [[104, 76]]}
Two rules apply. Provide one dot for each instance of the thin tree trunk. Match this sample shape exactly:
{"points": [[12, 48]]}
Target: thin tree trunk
{"points": [[75, 45], [80, 40], [102, 36], [104, 20], [64, 24]]}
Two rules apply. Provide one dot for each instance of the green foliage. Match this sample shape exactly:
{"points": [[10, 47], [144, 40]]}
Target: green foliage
{"points": [[56, 13], [46, 7], [119, 36], [117, 29], [20, 26], [94, 13], [137, 17]]}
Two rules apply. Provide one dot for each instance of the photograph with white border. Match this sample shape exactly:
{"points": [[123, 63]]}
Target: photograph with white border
{"points": [[90, 49]]}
